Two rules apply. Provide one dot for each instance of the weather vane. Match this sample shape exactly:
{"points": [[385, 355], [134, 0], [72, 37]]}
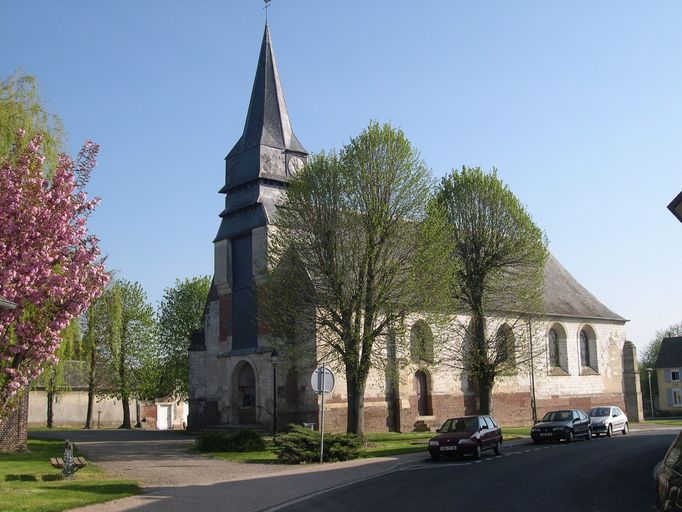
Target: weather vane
{"points": [[267, 4]]}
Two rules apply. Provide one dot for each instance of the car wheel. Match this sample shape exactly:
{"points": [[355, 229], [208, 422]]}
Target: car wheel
{"points": [[626, 429], [569, 437], [477, 452], [498, 448], [609, 431], [588, 436], [435, 457]]}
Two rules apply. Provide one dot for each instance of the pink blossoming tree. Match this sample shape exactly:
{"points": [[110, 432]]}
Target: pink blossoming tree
{"points": [[49, 263]]}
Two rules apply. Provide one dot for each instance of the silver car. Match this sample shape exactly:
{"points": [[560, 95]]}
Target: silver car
{"points": [[608, 419]]}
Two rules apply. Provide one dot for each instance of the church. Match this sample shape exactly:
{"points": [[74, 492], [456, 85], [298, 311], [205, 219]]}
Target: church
{"points": [[236, 379]]}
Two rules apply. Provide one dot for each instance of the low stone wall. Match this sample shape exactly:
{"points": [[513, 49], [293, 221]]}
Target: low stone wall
{"points": [[69, 410]]}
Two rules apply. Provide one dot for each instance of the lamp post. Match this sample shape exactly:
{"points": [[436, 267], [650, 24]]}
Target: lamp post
{"points": [[273, 358], [651, 395]]}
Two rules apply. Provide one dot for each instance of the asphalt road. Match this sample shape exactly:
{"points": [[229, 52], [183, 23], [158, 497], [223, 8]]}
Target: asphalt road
{"points": [[597, 476]]}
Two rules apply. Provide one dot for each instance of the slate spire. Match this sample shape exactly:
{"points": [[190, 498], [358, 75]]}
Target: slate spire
{"points": [[267, 120]]}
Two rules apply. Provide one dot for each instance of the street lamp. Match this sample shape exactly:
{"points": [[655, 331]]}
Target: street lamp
{"points": [[651, 395], [273, 358]]}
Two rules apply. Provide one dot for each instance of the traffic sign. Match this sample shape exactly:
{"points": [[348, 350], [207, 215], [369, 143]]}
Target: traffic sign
{"points": [[322, 380]]}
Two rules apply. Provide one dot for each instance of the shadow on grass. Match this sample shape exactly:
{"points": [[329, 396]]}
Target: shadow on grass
{"points": [[21, 478], [111, 489]]}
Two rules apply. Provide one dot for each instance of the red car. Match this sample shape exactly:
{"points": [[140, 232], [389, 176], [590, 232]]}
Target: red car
{"points": [[468, 434]]}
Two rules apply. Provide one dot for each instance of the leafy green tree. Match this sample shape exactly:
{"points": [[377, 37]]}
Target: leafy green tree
{"points": [[22, 108], [181, 311], [55, 378], [131, 330], [496, 257], [344, 257], [94, 351]]}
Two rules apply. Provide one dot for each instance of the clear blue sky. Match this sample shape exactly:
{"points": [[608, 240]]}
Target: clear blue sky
{"points": [[578, 105]]}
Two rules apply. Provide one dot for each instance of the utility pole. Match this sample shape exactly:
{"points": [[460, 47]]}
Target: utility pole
{"points": [[651, 395], [533, 407]]}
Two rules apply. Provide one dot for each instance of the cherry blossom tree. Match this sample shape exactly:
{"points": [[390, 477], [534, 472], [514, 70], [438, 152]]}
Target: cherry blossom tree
{"points": [[49, 263]]}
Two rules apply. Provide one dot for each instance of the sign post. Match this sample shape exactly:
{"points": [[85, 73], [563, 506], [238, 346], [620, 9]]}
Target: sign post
{"points": [[322, 381]]}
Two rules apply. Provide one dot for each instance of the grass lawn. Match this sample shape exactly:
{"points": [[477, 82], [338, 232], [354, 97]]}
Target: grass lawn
{"points": [[26, 481], [384, 444], [664, 422]]}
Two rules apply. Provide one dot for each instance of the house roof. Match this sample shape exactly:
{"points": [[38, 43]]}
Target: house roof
{"points": [[670, 355], [564, 296], [267, 121]]}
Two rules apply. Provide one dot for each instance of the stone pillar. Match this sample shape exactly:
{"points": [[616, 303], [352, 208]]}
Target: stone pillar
{"points": [[14, 428], [632, 392]]}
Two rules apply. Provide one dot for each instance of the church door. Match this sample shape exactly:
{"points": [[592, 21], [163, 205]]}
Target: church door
{"points": [[247, 395], [423, 405]]}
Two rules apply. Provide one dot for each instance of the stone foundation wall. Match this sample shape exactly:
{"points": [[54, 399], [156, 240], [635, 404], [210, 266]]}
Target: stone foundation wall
{"points": [[510, 409]]}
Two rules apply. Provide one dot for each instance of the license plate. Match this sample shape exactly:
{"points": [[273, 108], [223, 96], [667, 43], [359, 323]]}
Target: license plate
{"points": [[546, 434], [447, 448]]}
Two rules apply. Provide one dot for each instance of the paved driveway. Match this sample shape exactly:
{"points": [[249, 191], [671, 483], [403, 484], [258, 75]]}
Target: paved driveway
{"points": [[175, 480]]}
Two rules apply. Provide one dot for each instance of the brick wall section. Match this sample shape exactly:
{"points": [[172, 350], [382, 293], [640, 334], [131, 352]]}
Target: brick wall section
{"points": [[14, 430], [511, 409]]}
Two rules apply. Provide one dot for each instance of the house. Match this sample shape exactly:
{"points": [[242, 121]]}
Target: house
{"points": [[668, 367], [585, 359]]}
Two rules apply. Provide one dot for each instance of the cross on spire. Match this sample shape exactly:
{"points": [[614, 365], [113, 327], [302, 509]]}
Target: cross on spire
{"points": [[267, 4]]}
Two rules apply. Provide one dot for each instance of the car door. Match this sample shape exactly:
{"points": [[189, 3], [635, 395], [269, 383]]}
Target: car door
{"points": [[495, 432], [586, 420], [581, 425], [577, 424], [483, 432], [618, 418]]}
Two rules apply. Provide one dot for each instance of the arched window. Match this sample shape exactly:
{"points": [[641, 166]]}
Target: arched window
{"points": [[584, 349], [587, 344], [506, 345], [421, 342], [554, 354]]}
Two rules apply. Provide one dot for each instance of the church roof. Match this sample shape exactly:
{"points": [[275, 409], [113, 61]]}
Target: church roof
{"points": [[564, 296], [670, 355], [267, 121]]}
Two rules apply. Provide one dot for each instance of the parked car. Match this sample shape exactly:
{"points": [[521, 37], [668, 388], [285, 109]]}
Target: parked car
{"points": [[668, 476], [567, 424], [468, 434], [608, 419]]}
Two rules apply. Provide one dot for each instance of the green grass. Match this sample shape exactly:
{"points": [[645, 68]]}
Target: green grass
{"points": [[383, 444], [515, 432], [664, 422], [27, 482]]}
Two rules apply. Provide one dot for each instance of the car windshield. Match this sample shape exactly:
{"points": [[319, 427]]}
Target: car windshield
{"points": [[599, 411], [460, 425], [558, 416]]}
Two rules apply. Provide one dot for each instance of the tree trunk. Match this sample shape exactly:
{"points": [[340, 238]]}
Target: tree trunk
{"points": [[50, 401], [356, 402], [88, 414], [91, 388], [126, 413], [485, 395]]}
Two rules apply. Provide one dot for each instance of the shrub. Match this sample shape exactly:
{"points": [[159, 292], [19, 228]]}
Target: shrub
{"points": [[302, 444], [241, 441]]}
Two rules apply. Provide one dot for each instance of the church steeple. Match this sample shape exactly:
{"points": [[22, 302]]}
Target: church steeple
{"points": [[260, 164], [267, 120]]}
